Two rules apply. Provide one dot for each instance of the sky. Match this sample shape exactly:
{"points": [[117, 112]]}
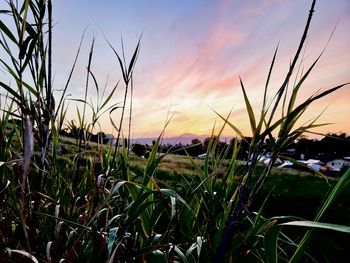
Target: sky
{"points": [[193, 53]]}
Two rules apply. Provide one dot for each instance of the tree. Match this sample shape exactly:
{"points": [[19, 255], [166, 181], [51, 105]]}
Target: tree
{"points": [[139, 149]]}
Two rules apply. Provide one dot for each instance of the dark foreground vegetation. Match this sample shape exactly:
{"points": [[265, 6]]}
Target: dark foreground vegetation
{"points": [[99, 203]]}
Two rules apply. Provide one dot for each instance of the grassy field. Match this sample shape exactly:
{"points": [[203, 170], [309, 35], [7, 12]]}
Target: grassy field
{"points": [[289, 191]]}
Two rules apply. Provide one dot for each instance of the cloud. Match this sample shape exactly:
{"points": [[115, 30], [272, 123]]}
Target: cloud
{"points": [[192, 55]]}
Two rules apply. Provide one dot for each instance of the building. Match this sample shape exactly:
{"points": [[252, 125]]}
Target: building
{"points": [[338, 164]]}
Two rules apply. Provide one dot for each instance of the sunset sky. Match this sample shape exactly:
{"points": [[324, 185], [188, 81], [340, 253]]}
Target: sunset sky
{"points": [[193, 52]]}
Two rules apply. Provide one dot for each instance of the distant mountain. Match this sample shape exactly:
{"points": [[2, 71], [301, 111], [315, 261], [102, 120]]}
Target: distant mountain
{"points": [[184, 139]]}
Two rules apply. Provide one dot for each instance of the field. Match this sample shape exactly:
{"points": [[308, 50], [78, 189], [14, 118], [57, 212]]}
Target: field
{"points": [[289, 191]]}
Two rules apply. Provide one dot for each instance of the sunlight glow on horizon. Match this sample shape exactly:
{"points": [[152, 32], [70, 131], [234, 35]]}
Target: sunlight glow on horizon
{"points": [[193, 52]]}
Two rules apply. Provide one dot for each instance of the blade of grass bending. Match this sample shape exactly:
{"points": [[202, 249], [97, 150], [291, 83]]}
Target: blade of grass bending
{"points": [[343, 181], [23, 253], [231, 125], [296, 112], [313, 224], [180, 254], [8, 32], [119, 60], [12, 92], [95, 82], [172, 193]]}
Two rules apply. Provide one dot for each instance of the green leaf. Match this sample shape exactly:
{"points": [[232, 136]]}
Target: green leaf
{"points": [[172, 193], [120, 62], [109, 96], [23, 47], [11, 91], [249, 109], [180, 254], [297, 87], [268, 79], [8, 32], [231, 125], [313, 224], [158, 256], [111, 238], [133, 59], [270, 244]]}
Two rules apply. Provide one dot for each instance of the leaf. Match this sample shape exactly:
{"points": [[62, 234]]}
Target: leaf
{"points": [[11, 91], [7, 181], [8, 32], [314, 224], [30, 51], [199, 245], [158, 256], [268, 77], [110, 117], [249, 109], [172, 193], [180, 254], [94, 79], [301, 81], [48, 251], [23, 48], [111, 238], [270, 244], [23, 253], [109, 96], [120, 61], [133, 59], [231, 125]]}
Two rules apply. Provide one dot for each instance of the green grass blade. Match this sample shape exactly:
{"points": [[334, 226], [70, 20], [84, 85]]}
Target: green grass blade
{"points": [[268, 79], [11, 91], [297, 87], [133, 59], [109, 96], [270, 244], [8, 32], [249, 108], [231, 125], [313, 224], [111, 238]]}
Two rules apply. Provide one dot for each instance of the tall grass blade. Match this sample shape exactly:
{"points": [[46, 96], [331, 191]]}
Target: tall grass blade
{"points": [[281, 90], [249, 108], [270, 244], [240, 134], [313, 224]]}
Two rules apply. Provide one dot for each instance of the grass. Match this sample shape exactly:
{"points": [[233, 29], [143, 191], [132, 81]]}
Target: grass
{"points": [[99, 203]]}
